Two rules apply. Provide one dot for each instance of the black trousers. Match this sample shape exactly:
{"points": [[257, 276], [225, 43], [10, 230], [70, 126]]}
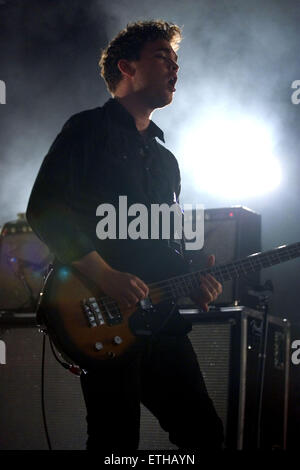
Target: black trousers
{"points": [[167, 379]]}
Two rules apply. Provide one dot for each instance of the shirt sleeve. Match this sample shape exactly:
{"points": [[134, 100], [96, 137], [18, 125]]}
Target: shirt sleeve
{"points": [[49, 212]]}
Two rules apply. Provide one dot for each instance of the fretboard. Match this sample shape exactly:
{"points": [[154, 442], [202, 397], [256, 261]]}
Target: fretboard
{"points": [[182, 286]]}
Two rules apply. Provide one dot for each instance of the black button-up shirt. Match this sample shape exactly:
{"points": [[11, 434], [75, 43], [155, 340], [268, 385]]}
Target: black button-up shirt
{"points": [[98, 156]]}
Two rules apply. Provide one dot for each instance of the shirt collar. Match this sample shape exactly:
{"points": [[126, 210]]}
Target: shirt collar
{"points": [[124, 117]]}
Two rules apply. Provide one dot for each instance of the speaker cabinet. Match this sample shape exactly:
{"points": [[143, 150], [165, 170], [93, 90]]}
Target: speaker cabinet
{"points": [[23, 262], [230, 233], [21, 424], [226, 343], [227, 347]]}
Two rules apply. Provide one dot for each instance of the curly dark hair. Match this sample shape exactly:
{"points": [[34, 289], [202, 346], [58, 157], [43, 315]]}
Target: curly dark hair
{"points": [[129, 43]]}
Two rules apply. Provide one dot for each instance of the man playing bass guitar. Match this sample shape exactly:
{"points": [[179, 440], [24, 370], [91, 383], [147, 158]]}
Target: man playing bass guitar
{"points": [[99, 155]]}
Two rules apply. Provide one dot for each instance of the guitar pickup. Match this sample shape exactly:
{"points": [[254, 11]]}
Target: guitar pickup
{"points": [[92, 312], [112, 313]]}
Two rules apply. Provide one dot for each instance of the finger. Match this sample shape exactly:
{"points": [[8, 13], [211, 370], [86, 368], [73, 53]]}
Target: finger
{"points": [[138, 283], [202, 299], [206, 283], [139, 292], [203, 305], [211, 260], [214, 283], [208, 295], [131, 299], [144, 288], [135, 289]]}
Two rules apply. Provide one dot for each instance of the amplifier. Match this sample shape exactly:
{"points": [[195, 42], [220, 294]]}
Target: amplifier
{"points": [[23, 262], [294, 402], [227, 343], [229, 233], [21, 424]]}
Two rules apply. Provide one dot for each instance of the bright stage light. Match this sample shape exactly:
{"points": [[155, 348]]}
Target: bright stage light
{"points": [[231, 158]]}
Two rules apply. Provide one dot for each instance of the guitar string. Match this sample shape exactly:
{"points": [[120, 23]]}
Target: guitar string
{"points": [[169, 289]]}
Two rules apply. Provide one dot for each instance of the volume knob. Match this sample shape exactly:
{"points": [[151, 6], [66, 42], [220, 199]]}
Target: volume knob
{"points": [[118, 340], [98, 346]]}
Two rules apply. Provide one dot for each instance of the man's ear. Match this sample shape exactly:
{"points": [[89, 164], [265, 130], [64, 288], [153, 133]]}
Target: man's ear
{"points": [[126, 67]]}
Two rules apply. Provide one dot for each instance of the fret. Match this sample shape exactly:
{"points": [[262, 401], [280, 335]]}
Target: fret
{"points": [[272, 259], [265, 262], [226, 273], [183, 285], [195, 281], [244, 268], [248, 265], [294, 253], [257, 263], [232, 270], [174, 287], [178, 287], [251, 263], [236, 269], [171, 288], [285, 256], [218, 274], [288, 254], [296, 249], [276, 256], [239, 268], [280, 255], [190, 282]]}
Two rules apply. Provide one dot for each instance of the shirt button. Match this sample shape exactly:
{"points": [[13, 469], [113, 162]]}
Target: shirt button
{"points": [[147, 168], [125, 157]]}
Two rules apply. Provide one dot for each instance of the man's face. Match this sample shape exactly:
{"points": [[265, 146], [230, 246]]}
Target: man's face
{"points": [[156, 73]]}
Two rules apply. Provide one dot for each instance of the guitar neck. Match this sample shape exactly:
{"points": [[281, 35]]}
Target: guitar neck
{"points": [[182, 286]]}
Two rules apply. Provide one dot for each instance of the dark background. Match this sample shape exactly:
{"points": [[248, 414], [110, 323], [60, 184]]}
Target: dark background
{"points": [[237, 57]]}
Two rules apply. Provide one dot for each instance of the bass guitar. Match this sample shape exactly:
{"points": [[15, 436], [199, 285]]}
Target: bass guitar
{"points": [[89, 328]]}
